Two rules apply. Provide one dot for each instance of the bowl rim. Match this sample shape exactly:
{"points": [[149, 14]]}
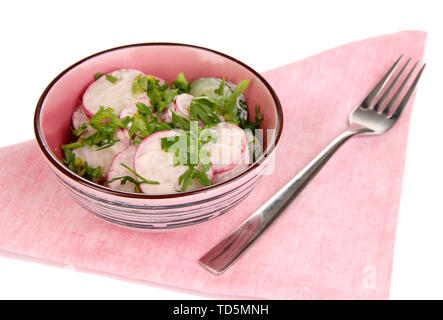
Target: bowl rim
{"points": [[65, 171]]}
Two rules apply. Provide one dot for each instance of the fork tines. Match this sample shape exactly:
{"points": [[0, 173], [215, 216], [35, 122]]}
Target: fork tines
{"points": [[381, 106]]}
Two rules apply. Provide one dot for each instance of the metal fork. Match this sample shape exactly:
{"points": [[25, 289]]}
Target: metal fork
{"points": [[367, 118]]}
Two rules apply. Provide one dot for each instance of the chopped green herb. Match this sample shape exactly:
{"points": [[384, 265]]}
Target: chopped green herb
{"points": [[253, 125], [201, 176], [220, 90], [181, 84], [180, 122], [168, 142], [140, 84], [125, 179], [98, 75], [138, 126], [136, 183], [159, 95], [143, 180], [80, 167], [206, 110], [188, 150], [146, 111], [200, 109], [111, 78], [105, 122], [145, 122], [137, 141], [73, 145], [187, 178], [69, 159], [81, 130], [229, 109]]}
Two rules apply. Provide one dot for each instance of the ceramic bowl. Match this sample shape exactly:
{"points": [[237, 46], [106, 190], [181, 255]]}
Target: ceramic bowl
{"points": [[160, 212]]}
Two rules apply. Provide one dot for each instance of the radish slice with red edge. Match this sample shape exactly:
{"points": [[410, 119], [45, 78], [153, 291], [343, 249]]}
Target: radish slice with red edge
{"points": [[153, 163], [104, 157], [117, 170], [233, 171], [166, 115], [182, 103], [230, 149], [180, 106], [115, 94], [131, 108], [79, 117]]}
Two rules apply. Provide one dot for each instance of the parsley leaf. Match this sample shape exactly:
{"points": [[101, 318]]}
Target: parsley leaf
{"points": [[253, 125], [136, 183], [220, 90], [105, 122], [98, 75], [80, 167], [160, 96], [206, 110], [187, 178], [188, 150], [140, 84], [69, 158], [73, 145], [80, 130], [229, 110], [137, 141], [181, 84], [180, 122], [145, 122], [146, 111], [202, 177], [111, 78], [200, 109]]}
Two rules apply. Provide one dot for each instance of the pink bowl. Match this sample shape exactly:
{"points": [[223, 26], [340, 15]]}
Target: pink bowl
{"points": [[141, 211]]}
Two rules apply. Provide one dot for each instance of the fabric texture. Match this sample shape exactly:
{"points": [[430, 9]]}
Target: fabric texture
{"points": [[335, 241]]}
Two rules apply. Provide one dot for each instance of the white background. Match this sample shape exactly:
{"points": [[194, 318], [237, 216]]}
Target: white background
{"points": [[41, 38]]}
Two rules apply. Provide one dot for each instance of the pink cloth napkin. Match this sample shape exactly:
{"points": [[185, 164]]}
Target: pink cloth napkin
{"points": [[335, 241]]}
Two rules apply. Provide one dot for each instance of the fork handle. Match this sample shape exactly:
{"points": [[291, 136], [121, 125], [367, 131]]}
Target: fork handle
{"points": [[227, 251]]}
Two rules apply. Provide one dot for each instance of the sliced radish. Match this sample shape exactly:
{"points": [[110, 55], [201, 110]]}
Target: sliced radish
{"points": [[166, 115], [229, 149], [131, 108], [161, 82], [117, 170], [179, 106], [104, 157], [79, 117], [182, 103], [117, 95], [233, 172], [207, 86], [153, 163], [229, 155]]}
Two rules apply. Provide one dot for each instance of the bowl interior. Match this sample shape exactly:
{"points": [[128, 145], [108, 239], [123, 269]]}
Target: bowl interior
{"points": [[163, 60]]}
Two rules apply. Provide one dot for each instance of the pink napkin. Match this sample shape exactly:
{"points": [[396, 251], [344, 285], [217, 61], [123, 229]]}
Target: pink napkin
{"points": [[335, 241]]}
